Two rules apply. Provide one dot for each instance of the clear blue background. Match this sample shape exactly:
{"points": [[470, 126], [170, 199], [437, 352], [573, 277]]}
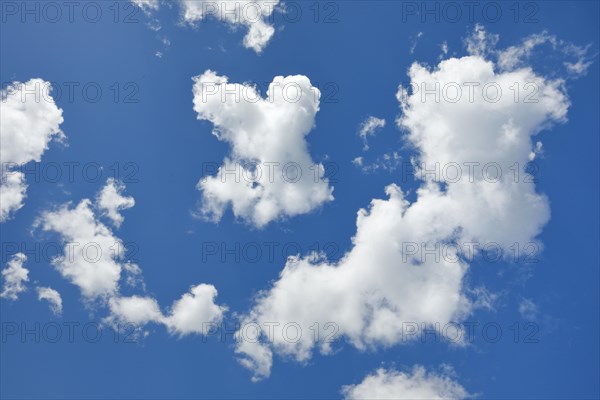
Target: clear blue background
{"points": [[366, 54]]}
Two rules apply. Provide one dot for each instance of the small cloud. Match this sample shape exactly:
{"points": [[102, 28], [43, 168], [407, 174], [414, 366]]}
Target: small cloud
{"points": [[444, 48], [358, 161], [516, 56], [165, 41], [111, 201], [15, 275], [368, 128], [415, 40], [147, 5], [481, 43], [52, 297], [536, 151], [388, 162], [528, 310], [154, 25]]}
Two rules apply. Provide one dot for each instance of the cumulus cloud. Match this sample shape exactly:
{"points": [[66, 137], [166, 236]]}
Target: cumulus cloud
{"points": [[93, 255], [94, 260], [30, 120], [137, 310], [195, 310], [417, 384], [368, 128], [111, 201], [383, 283], [269, 173], [193, 313], [14, 275], [251, 14], [52, 297]]}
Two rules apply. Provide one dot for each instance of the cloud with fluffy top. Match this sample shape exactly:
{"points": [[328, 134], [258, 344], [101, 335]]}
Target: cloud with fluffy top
{"points": [[418, 384], [93, 255], [30, 120], [381, 284], [269, 173], [194, 313]]}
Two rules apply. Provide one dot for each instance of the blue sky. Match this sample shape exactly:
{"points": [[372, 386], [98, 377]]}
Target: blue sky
{"points": [[159, 147]]}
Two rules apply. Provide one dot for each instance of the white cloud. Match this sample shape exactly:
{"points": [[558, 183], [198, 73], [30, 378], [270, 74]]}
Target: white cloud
{"points": [[30, 120], [582, 59], [94, 261], [579, 67], [92, 257], [274, 176], [418, 384], [528, 310], [480, 43], [13, 191], [110, 200], [52, 297], [133, 275], [135, 310], [387, 162], [537, 150], [194, 310], [444, 48], [514, 57], [380, 285], [368, 128], [147, 5], [414, 43], [252, 14], [193, 313], [14, 275]]}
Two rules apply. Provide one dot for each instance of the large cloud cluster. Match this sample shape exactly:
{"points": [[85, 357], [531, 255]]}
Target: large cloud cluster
{"points": [[381, 284]]}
